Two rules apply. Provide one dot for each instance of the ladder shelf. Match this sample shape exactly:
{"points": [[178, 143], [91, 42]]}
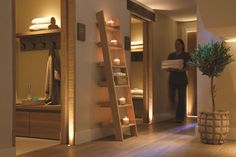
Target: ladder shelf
{"points": [[117, 78]]}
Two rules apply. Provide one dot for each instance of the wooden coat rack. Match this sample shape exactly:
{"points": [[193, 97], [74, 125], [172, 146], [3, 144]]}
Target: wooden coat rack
{"points": [[39, 40]]}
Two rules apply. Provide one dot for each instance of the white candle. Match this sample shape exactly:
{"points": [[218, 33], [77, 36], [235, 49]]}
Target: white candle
{"points": [[116, 61], [126, 120], [122, 101], [110, 23], [114, 42]]}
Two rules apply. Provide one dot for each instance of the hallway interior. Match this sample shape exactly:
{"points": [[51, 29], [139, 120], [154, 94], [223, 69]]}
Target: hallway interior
{"points": [[166, 139]]}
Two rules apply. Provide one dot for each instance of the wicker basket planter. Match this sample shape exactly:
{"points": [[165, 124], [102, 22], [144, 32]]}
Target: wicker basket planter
{"points": [[213, 127]]}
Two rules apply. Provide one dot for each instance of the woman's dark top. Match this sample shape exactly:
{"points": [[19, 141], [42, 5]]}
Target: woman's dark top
{"points": [[179, 77]]}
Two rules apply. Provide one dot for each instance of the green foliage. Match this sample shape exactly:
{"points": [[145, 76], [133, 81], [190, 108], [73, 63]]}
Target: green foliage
{"points": [[212, 58]]}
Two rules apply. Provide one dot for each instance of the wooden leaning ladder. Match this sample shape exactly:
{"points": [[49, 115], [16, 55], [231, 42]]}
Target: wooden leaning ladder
{"points": [[117, 79]]}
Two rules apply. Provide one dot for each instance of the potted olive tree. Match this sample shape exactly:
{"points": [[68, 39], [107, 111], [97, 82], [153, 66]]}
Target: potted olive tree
{"points": [[211, 60]]}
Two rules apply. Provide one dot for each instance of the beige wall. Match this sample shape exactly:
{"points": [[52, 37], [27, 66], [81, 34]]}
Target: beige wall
{"points": [[6, 80], [165, 33], [31, 65], [225, 84], [136, 68], [88, 114], [226, 92], [217, 16], [203, 82], [184, 27]]}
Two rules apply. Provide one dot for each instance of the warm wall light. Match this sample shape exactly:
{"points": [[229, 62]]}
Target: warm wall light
{"points": [[230, 40], [150, 111], [71, 123]]}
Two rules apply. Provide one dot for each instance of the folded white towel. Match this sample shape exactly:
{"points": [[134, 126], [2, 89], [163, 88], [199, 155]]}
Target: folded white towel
{"points": [[176, 61], [119, 74], [38, 27], [42, 20], [137, 91], [176, 64]]}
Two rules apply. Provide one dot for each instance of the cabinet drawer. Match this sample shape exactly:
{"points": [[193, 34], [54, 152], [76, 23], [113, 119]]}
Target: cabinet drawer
{"points": [[22, 123], [45, 125]]}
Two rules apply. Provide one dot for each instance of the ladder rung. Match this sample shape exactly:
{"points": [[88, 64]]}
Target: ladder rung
{"points": [[115, 47], [121, 86], [102, 64], [108, 104], [119, 66], [112, 47], [125, 105], [127, 126], [113, 28]]}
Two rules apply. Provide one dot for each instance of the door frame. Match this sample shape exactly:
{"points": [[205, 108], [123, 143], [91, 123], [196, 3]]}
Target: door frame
{"points": [[68, 49], [147, 69]]}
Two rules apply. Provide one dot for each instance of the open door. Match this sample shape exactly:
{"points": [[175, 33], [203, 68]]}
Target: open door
{"points": [[141, 70]]}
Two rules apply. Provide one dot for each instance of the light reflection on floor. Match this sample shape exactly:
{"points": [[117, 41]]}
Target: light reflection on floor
{"points": [[25, 145]]}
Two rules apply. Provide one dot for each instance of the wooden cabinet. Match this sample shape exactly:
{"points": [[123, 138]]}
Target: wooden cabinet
{"points": [[22, 123], [38, 121], [45, 125]]}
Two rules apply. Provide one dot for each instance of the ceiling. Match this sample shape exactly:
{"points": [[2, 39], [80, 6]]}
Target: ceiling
{"points": [[178, 10]]}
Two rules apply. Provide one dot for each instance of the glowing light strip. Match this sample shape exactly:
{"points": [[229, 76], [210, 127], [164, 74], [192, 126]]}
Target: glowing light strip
{"points": [[150, 111], [230, 40], [71, 128]]}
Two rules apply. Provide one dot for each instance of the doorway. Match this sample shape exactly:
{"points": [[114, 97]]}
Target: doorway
{"points": [[192, 77], [50, 124], [141, 69]]}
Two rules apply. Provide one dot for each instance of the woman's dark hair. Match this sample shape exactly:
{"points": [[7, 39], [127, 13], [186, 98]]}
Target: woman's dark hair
{"points": [[182, 42]]}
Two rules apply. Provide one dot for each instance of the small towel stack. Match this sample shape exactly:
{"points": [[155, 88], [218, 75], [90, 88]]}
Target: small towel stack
{"points": [[40, 23], [120, 78], [119, 74], [137, 93], [174, 64]]}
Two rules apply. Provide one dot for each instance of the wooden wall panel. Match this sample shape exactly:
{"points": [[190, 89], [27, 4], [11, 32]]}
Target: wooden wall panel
{"points": [[22, 123], [45, 125]]}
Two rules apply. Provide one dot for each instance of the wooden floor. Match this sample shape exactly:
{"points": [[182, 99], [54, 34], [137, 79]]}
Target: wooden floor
{"points": [[166, 139], [25, 145]]}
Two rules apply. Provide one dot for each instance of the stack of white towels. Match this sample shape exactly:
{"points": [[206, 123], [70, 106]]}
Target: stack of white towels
{"points": [[174, 64], [40, 23], [118, 74], [137, 93]]}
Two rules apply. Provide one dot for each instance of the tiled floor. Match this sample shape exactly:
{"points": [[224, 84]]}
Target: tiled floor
{"points": [[166, 139], [25, 145]]}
